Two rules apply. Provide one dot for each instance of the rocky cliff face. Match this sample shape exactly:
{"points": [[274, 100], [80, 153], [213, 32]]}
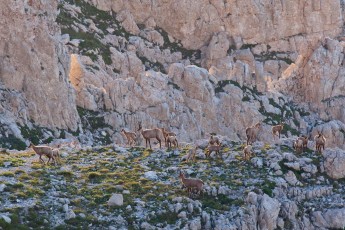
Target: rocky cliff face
{"points": [[131, 65], [35, 64], [249, 22]]}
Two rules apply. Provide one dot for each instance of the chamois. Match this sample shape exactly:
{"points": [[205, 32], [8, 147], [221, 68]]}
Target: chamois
{"points": [[247, 152], [298, 145], [166, 134], [131, 136], [252, 132], [172, 140], [191, 183], [277, 128], [212, 148], [44, 150], [56, 154], [151, 133], [213, 140], [320, 142], [191, 154], [305, 141]]}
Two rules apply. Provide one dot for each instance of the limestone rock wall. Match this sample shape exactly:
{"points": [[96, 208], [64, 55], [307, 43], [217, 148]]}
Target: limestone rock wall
{"points": [[276, 40], [320, 81], [267, 46], [34, 63], [253, 21]]}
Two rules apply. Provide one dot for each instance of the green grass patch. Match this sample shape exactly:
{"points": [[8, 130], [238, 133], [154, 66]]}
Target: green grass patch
{"points": [[268, 186], [220, 202], [7, 174]]}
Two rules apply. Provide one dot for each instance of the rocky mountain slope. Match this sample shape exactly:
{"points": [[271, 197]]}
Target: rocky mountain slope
{"points": [[113, 187], [79, 71]]}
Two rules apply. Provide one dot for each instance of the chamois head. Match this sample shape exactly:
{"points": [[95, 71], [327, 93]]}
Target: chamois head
{"points": [[181, 175], [258, 125], [140, 127]]}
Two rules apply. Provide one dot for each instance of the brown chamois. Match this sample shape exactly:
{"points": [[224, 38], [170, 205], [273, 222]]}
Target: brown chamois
{"points": [[247, 152], [252, 132], [151, 133], [213, 140], [44, 150], [213, 148], [166, 134], [191, 184], [172, 140], [191, 154], [277, 128], [56, 154], [304, 139], [131, 136], [298, 145], [320, 142]]}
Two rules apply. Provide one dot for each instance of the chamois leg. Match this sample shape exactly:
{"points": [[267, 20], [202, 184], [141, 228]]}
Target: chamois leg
{"points": [[41, 160], [54, 160], [166, 142], [176, 143], [149, 142], [57, 158], [159, 140]]}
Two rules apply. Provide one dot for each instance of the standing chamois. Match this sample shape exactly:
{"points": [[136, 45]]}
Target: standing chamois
{"points": [[151, 133]]}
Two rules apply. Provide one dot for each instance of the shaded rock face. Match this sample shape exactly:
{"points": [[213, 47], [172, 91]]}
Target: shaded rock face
{"points": [[263, 212], [318, 80], [34, 63], [334, 163], [330, 219]]}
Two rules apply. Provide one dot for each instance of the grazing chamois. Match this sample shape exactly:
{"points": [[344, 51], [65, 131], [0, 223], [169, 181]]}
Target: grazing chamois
{"points": [[172, 140], [192, 184]]}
